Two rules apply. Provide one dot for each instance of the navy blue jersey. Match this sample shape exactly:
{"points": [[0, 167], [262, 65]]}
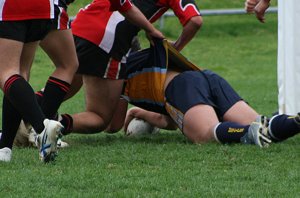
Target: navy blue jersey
{"points": [[145, 74]]}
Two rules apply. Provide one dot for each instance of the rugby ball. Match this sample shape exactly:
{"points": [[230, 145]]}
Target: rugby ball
{"points": [[140, 127]]}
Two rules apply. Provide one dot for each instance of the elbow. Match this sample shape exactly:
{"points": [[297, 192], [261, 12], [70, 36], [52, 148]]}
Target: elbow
{"points": [[196, 22]]}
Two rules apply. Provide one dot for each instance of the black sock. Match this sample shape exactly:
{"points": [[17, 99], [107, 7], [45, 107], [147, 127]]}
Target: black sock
{"points": [[67, 122], [22, 97], [53, 96], [281, 127], [230, 132], [39, 96], [10, 123]]}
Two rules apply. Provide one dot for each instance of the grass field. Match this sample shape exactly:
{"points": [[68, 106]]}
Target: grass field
{"points": [[167, 165]]}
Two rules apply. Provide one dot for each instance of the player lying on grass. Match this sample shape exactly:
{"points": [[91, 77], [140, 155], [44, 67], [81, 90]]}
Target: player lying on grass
{"points": [[200, 103], [179, 94], [259, 7], [176, 94]]}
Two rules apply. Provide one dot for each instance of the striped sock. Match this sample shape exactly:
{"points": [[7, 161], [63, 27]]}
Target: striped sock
{"points": [[53, 96]]}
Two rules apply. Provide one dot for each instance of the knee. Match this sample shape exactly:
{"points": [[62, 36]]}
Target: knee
{"points": [[75, 64], [71, 65], [113, 128], [98, 127], [199, 136]]}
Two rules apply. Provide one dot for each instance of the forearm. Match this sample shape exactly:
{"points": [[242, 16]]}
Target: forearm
{"points": [[189, 31], [155, 119], [258, 7]]}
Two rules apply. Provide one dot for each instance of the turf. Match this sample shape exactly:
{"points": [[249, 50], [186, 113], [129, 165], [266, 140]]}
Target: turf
{"points": [[239, 48]]}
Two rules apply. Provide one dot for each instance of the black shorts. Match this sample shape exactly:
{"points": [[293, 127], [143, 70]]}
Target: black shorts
{"points": [[25, 31], [191, 88], [96, 62]]}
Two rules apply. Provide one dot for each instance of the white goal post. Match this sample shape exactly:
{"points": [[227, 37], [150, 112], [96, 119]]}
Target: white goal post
{"points": [[288, 65]]}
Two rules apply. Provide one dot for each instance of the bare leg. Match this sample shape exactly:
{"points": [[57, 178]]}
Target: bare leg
{"points": [[241, 113], [199, 123], [19, 100], [10, 55], [27, 57], [60, 47], [118, 119], [102, 97]]}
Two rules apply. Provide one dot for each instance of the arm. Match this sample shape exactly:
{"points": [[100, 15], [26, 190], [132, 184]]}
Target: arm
{"points": [[155, 119], [259, 7], [188, 32]]}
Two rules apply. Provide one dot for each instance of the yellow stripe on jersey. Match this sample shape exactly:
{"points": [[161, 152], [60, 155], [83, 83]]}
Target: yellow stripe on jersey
{"points": [[147, 85]]}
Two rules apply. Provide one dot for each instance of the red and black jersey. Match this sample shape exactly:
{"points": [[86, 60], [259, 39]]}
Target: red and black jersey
{"points": [[154, 9], [96, 22], [120, 5], [63, 3], [112, 33], [15, 10]]}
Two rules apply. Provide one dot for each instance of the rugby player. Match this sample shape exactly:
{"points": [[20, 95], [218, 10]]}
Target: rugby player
{"points": [[174, 93], [59, 46], [58, 42], [22, 26], [101, 47]]}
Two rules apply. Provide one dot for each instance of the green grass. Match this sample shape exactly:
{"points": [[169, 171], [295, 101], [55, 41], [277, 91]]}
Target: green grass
{"points": [[167, 165]]}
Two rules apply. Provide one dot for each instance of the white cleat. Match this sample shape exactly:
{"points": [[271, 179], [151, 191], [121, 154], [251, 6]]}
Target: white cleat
{"points": [[61, 144], [47, 140], [258, 133], [5, 154]]}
